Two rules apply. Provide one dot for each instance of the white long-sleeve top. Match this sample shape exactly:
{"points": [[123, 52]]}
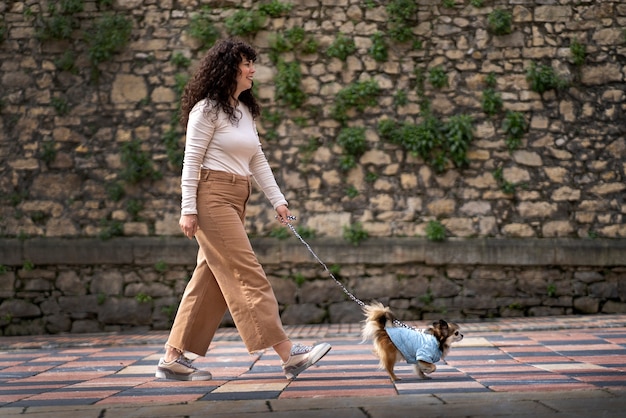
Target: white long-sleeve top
{"points": [[217, 144]]}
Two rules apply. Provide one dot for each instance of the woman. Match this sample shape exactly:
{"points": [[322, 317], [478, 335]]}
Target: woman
{"points": [[222, 153]]}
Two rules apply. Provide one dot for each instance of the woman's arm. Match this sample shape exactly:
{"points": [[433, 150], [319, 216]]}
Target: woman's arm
{"points": [[200, 129]]}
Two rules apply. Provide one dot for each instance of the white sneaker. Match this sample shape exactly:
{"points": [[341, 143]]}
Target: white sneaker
{"points": [[302, 357], [180, 369]]}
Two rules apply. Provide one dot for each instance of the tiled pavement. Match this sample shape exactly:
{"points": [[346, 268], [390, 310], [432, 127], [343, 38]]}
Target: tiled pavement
{"points": [[559, 366]]}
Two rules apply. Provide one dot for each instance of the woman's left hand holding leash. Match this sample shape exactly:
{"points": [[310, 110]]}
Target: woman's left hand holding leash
{"points": [[284, 215]]}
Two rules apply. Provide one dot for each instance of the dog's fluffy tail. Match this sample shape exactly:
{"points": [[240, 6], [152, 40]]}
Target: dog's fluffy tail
{"points": [[377, 316]]}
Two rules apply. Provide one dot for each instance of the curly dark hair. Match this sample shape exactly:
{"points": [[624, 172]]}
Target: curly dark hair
{"points": [[216, 79]]}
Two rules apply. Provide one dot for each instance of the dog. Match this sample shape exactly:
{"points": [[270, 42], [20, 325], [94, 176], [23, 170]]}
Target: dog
{"points": [[421, 348]]}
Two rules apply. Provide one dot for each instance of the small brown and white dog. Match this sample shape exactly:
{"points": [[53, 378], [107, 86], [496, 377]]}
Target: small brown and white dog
{"points": [[421, 348]]}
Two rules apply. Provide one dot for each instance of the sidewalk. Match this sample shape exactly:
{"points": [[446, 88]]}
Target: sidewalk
{"points": [[540, 367]]}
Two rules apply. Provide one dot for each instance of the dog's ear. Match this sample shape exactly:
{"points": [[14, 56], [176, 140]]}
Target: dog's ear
{"points": [[441, 324]]}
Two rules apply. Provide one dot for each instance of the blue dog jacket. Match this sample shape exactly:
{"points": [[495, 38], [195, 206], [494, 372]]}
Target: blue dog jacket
{"points": [[415, 345]]}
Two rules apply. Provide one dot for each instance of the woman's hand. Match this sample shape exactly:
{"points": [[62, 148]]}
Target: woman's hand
{"points": [[284, 215], [189, 225]]}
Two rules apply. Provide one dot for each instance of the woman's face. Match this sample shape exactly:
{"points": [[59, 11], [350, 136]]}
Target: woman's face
{"points": [[245, 76]]}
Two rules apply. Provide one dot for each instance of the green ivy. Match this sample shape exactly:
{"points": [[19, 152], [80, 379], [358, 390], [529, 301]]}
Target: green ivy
{"points": [[355, 234], [378, 50], [137, 164], [307, 150], [270, 121], [180, 81], [371, 177], [108, 36], [299, 279], [278, 45], [161, 266], [310, 46], [543, 78], [438, 77], [417, 139], [354, 144], [179, 60], [435, 231], [133, 207], [28, 265], [244, 22], [115, 191], [110, 229], [341, 47], [61, 20], [432, 140], [294, 39], [60, 105], [401, 15], [175, 153], [306, 233], [288, 84], [104, 3], [275, 8], [67, 62], [499, 22], [48, 152], [400, 98], [143, 298], [578, 51], [491, 101], [352, 192], [201, 28], [459, 133], [280, 233], [506, 186], [38, 217], [357, 95], [295, 35], [514, 125], [169, 311]]}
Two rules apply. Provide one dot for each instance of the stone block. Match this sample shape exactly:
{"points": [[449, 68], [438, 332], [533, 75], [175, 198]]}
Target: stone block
{"points": [[345, 313], [128, 88], [7, 284], [586, 305], [125, 311], [18, 308], [612, 307], [601, 74], [552, 13], [308, 313], [42, 251]]}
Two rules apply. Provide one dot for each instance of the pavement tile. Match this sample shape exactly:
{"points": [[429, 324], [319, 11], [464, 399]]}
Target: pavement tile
{"points": [[522, 363], [502, 408]]}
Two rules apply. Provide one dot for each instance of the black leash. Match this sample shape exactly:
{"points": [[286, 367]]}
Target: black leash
{"points": [[345, 290]]}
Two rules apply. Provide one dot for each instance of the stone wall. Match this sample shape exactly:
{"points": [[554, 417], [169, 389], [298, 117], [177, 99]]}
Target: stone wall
{"points": [[565, 180], [137, 283], [62, 139]]}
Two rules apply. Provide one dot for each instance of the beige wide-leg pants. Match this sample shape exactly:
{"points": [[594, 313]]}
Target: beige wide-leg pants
{"points": [[227, 274]]}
